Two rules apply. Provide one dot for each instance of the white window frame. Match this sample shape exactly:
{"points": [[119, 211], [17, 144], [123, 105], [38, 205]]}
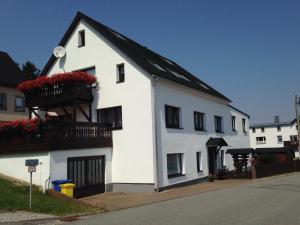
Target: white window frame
{"points": [[179, 162], [261, 142], [81, 38], [199, 162]]}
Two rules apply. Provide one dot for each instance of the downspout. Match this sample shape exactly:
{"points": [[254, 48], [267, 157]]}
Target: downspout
{"points": [[48, 180], [156, 164]]}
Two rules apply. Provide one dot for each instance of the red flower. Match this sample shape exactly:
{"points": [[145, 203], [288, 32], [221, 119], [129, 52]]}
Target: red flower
{"points": [[56, 79], [21, 125]]}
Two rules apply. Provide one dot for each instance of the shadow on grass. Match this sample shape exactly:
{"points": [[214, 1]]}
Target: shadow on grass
{"points": [[15, 197]]}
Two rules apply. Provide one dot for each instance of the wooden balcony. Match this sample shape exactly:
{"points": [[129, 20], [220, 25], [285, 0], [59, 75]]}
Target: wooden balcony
{"points": [[62, 94], [292, 144], [57, 135]]}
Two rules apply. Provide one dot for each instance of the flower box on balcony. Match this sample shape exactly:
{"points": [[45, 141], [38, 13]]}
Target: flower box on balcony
{"points": [[58, 89]]}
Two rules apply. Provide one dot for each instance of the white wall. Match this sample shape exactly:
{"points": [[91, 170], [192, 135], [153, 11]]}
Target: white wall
{"points": [[14, 165], [59, 159], [239, 138], [187, 140], [271, 134], [132, 158]]}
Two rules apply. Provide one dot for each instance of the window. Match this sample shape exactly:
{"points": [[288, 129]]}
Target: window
{"points": [[279, 139], [81, 38], [253, 130], [262, 129], [278, 128], [19, 104], [233, 123], [111, 117], [293, 138], [199, 162], [120, 73], [172, 117], [244, 125], [219, 124], [2, 101], [222, 158], [199, 121], [260, 140], [174, 164]]}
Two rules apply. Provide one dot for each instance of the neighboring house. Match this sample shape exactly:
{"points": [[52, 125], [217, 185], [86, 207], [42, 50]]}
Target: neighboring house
{"points": [[272, 135], [168, 127], [11, 100]]}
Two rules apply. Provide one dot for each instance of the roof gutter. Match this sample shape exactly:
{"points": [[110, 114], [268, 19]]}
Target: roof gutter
{"points": [[154, 81]]}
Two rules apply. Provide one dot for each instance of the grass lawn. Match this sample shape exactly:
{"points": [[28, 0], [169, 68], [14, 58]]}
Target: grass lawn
{"points": [[15, 197]]}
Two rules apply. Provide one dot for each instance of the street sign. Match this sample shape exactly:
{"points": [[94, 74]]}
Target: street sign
{"points": [[31, 169], [31, 162]]}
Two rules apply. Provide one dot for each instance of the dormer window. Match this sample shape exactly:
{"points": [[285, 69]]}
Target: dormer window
{"points": [[120, 73], [81, 38]]}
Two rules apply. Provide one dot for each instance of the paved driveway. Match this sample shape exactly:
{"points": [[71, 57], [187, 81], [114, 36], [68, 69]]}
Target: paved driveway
{"points": [[266, 202]]}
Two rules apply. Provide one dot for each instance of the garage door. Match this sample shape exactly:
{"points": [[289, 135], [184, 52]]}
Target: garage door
{"points": [[88, 174]]}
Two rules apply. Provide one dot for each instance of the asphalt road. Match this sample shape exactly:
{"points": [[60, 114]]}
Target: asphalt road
{"points": [[266, 202]]}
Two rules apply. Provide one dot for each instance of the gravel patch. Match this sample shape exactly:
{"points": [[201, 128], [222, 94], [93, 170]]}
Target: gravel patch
{"points": [[9, 217]]}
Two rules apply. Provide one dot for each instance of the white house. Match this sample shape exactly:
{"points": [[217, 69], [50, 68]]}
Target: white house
{"points": [[272, 135], [169, 127]]}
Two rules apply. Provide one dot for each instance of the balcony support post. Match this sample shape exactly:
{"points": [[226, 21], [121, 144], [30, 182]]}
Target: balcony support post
{"points": [[65, 111], [35, 113], [90, 111], [84, 113], [30, 112], [74, 110]]}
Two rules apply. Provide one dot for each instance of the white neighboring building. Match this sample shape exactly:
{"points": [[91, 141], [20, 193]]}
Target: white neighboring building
{"points": [[272, 135], [169, 127]]}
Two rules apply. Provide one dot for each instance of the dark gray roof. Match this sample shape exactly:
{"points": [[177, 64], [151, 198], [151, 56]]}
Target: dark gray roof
{"points": [[10, 73], [216, 142], [259, 125], [147, 59], [240, 151], [239, 111]]}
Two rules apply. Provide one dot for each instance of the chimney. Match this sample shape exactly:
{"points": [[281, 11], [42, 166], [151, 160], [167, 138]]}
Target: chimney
{"points": [[276, 119]]}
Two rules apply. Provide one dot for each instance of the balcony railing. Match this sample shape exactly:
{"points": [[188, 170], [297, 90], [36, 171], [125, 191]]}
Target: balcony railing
{"points": [[291, 144], [57, 135], [62, 93]]}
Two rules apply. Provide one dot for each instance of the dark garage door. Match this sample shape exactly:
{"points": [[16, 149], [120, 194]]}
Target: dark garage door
{"points": [[88, 174]]}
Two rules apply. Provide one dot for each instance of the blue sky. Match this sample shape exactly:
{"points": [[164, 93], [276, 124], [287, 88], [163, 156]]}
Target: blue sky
{"points": [[248, 50]]}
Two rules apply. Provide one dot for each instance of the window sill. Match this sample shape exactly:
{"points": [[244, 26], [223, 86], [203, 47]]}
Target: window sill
{"points": [[220, 132], [177, 128], [199, 130], [79, 46], [200, 171], [176, 175], [118, 82]]}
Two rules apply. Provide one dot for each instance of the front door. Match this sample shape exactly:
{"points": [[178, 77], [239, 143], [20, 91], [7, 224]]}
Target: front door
{"points": [[211, 160], [88, 174]]}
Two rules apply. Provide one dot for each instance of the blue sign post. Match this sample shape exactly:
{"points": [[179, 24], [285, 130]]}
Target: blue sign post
{"points": [[31, 163]]}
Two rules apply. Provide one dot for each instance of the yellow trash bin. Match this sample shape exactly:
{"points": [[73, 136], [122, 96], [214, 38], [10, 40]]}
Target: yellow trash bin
{"points": [[67, 189]]}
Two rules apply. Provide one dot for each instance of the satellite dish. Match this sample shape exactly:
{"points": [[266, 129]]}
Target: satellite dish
{"points": [[59, 52]]}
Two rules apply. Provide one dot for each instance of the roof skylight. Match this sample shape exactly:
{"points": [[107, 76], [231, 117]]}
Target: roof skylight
{"points": [[157, 66], [203, 85], [180, 76], [168, 61], [118, 35]]}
